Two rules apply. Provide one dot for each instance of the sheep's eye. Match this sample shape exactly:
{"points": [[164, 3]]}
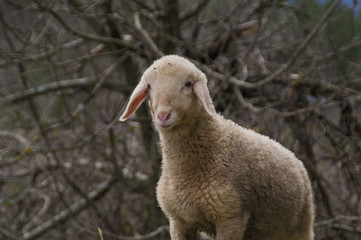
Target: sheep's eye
{"points": [[188, 84], [148, 86]]}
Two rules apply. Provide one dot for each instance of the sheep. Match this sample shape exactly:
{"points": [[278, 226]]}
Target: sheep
{"points": [[219, 179]]}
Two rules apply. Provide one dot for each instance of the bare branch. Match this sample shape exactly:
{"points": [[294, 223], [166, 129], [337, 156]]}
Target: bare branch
{"points": [[105, 75], [347, 223], [245, 104], [146, 36], [194, 10], [294, 56], [46, 88], [41, 212], [17, 137], [7, 234], [100, 233], [219, 76], [141, 237], [108, 40], [19, 58], [69, 212]]}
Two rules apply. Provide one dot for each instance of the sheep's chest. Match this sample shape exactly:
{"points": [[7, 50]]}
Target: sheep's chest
{"points": [[198, 201]]}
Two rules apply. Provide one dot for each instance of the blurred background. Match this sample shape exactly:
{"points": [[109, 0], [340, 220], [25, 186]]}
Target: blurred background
{"points": [[287, 69]]}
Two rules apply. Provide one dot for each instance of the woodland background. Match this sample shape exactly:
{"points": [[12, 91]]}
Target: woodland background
{"points": [[287, 69]]}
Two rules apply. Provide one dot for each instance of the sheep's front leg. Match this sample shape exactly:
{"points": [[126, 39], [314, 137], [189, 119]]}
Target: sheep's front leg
{"points": [[179, 231], [232, 228]]}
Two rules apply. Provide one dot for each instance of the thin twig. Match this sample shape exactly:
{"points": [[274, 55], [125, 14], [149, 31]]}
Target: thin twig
{"points": [[41, 212], [244, 103], [7, 234], [105, 75], [69, 212], [45, 88], [294, 56], [109, 40], [100, 233], [146, 36], [17, 58], [194, 10], [16, 137], [347, 223], [140, 237]]}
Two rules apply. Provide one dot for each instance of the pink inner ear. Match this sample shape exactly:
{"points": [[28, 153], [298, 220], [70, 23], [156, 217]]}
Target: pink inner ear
{"points": [[137, 97], [133, 106]]}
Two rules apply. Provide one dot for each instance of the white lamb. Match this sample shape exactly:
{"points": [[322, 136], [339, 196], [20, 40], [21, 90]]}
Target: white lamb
{"points": [[217, 177]]}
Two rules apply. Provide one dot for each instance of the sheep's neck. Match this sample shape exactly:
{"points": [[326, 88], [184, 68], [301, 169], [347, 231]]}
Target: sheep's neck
{"points": [[187, 150]]}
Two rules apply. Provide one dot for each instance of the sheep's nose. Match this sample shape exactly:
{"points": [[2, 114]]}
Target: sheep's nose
{"points": [[163, 116]]}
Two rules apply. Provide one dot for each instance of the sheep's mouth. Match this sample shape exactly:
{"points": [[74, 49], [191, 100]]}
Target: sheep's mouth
{"points": [[165, 124]]}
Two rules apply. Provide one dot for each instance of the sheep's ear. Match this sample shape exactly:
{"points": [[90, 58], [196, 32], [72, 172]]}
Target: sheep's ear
{"points": [[137, 97], [201, 90]]}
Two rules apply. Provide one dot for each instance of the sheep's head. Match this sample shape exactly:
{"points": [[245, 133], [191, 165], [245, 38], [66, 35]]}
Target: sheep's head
{"points": [[177, 93]]}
